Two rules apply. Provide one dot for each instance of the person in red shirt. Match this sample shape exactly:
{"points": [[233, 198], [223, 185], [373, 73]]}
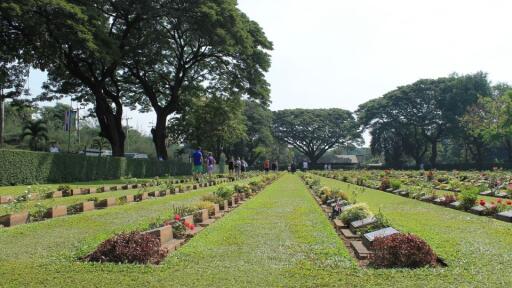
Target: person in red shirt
{"points": [[266, 166]]}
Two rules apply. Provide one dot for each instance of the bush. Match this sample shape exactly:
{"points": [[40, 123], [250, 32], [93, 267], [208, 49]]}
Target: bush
{"points": [[129, 248], [385, 184], [468, 197], [26, 167], [224, 192], [206, 205], [402, 251], [213, 198], [355, 213], [395, 184]]}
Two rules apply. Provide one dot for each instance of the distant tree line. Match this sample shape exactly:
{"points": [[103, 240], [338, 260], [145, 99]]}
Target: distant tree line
{"points": [[458, 119]]}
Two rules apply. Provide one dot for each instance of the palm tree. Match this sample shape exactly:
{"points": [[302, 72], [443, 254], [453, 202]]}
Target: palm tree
{"points": [[99, 143], [37, 131]]}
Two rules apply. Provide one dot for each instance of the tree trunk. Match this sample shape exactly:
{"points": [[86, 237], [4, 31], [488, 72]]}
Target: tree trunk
{"points": [[160, 135], [2, 120], [111, 126], [433, 156]]}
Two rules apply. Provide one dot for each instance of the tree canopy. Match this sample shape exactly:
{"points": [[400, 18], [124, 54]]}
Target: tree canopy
{"points": [[314, 131]]}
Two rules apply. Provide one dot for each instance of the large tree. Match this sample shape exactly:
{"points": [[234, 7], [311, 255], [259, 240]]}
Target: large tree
{"points": [[259, 140], [212, 123], [82, 45], [315, 131], [207, 48]]}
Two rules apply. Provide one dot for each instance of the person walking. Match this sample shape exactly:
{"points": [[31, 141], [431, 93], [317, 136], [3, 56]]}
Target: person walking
{"points": [[231, 165], [244, 166], [293, 167], [238, 166], [274, 166], [305, 165], [198, 163], [266, 166], [210, 162]]}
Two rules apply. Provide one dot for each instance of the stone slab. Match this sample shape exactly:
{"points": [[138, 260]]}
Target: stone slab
{"points": [[14, 219], [349, 234], [6, 199], [368, 238], [339, 224], [362, 223], [478, 210], [57, 211], [486, 193], [87, 206], [455, 205], [360, 250], [164, 234], [505, 216]]}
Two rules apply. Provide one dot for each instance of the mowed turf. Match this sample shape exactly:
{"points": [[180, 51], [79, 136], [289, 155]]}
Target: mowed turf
{"points": [[477, 249], [45, 253], [280, 238]]}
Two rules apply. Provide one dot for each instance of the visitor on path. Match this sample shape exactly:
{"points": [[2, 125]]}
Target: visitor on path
{"points": [[198, 163], [231, 165], [275, 167], [54, 148], [238, 166], [293, 167], [266, 166], [244, 166], [210, 162], [305, 166], [326, 167]]}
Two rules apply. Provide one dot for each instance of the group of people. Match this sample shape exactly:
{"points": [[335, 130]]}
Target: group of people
{"points": [[207, 163], [270, 167], [237, 167]]}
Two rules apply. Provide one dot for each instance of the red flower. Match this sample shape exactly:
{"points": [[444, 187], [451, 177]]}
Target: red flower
{"points": [[177, 217], [509, 203], [482, 202], [500, 201], [192, 227]]}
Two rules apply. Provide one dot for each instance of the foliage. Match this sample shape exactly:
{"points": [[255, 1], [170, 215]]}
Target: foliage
{"points": [[213, 199], [314, 132], [402, 251], [206, 205], [468, 197], [23, 167], [38, 213], [356, 212], [395, 184], [37, 133], [132, 248], [224, 192]]}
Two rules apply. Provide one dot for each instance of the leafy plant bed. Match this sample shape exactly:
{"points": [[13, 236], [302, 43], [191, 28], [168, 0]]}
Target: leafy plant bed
{"points": [[366, 233], [42, 212], [474, 207], [153, 245]]}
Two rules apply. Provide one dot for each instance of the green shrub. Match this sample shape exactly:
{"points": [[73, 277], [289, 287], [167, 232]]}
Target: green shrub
{"points": [[356, 212], [26, 167], [468, 197], [395, 184], [224, 192]]}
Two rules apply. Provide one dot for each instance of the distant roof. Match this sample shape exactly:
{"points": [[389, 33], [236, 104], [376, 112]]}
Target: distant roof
{"points": [[345, 159]]}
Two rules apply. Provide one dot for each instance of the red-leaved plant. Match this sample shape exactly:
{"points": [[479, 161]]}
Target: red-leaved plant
{"points": [[402, 251], [133, 248]]}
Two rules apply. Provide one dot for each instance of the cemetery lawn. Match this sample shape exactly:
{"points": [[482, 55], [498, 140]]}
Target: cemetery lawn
{"points": [[279, 238]]}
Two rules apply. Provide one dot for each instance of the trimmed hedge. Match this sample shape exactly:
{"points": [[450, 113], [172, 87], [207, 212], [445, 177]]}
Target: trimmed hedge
{"points": [[26, 167]]}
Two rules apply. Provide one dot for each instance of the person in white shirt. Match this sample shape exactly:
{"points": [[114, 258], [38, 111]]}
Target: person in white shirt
{"points": [[305, 165]]}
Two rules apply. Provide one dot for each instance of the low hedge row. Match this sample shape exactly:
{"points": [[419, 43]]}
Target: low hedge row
{"points": [[25, 167]]}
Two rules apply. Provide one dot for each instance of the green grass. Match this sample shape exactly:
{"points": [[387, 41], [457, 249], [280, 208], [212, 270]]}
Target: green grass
{"points": [[281, 238], [477, 249], [45, 252]]}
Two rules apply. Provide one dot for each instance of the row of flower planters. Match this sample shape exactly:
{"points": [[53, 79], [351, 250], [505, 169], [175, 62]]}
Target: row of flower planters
{"points": [[368, 235], [6, 199], [25, 217], [481, 207], [155, 244]]}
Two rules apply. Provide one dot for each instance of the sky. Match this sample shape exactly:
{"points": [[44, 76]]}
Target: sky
{"points": [[338, 53]]}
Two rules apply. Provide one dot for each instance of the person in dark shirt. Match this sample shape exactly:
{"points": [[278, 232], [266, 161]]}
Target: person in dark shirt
{"points": [[231, 165], [198, 163]]}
